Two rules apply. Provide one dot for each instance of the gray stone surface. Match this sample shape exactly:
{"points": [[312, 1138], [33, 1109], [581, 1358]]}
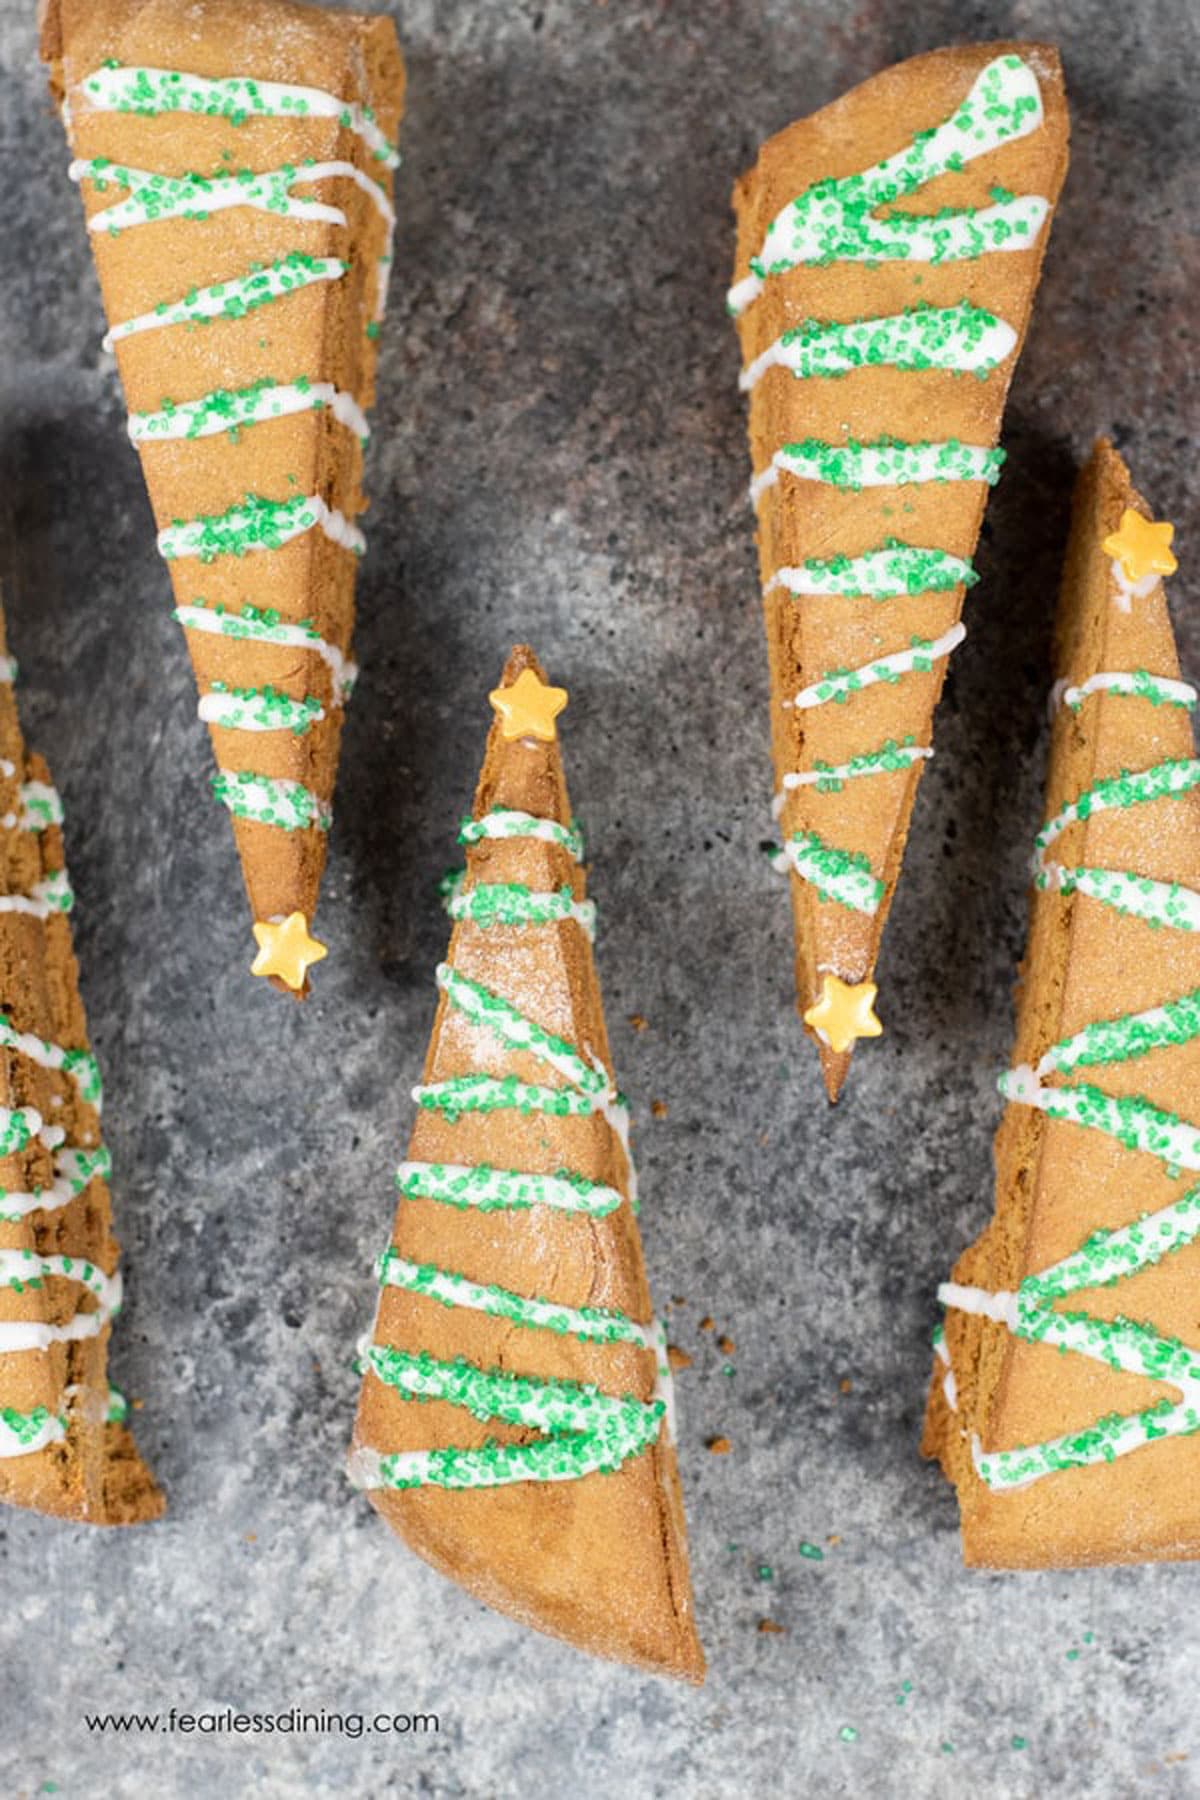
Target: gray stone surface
{"points": [[559, 456]]}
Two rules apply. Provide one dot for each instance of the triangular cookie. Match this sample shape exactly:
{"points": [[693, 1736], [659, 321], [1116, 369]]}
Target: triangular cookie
{"points": [[235, 163], [888, 251], [64, 1447], [539, 1470], [1066, 1398]]}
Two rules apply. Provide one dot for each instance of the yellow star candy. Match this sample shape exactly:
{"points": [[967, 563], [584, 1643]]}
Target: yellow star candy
{"points": [[285, 949], [528, 708], [844, 1013], [1142, 546]]}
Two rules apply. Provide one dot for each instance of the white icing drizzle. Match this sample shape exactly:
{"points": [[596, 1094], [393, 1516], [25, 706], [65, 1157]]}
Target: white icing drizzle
{"points": [[449, 1289], [464, 1184], [233, 712], [484, 903], [1138, 1126], [254, 406], [73, 1169], [942, 1352], [152, 198], [50, 895], [187, 538], [505, 822], [40, 807], [1136, 684], [287, 276], [832, 221], [884, 668], [1128, 591], [1157, 901], [581, 1428], [8, 674], [19, 1268], [80, 1065], [872, 573], [796, 350], [905, 754], [142, 89], [15, 1442], [876, 465], [260, 631]]}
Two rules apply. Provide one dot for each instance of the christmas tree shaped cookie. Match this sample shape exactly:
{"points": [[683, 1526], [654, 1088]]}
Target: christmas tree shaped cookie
{"points": [[888, 251], [235, 163], [515, 1420], [1066, 1400], [64, 1448]]}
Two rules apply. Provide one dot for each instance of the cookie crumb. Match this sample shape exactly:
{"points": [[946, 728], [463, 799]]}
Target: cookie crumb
{"points": [[678, 1359], [720, 1446], [638, 1022], [658, 1108], [707, 1323], [727, 1345], [769, 1626]]}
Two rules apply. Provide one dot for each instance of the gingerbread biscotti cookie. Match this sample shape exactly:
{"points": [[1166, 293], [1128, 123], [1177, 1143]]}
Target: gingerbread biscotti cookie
{"points": [[64, 1446], [515, 1424], [1065, 1404], [888, 251], [235, 162]]}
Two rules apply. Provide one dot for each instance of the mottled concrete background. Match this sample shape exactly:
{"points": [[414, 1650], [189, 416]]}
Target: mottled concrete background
{"points": [[559, 455]]}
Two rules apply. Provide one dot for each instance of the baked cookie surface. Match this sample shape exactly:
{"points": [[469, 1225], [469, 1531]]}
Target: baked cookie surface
{"points": [[888, 250], [236, 167], [515, 1424], [1065, 1404], [64, 1446]]}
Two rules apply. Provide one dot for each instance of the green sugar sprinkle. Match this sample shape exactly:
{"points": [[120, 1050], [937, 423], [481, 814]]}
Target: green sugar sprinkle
{"points": [[502, 822], [848, 1734], [892, 462], [238, 296], [16, 1129], [890, 572], [26, 1427], [254, 524], [153, 196], [834, 221], [489, 1190], [959, 338], [593, 1324], [1120, 1343], [80, 1065], [229, 410], [840, 875], [462, 1094], [1131, 1035], [288, 805], [813, 1552], [235, 98], [513, 903], [1135, 1123], [264, 709], [586, 1430], [889, 758], [483, 1007]]}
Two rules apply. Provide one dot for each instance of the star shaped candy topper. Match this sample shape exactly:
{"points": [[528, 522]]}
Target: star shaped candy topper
{"points": [[528, 708], [844, 1013], [1141, 553], [285, 949]]}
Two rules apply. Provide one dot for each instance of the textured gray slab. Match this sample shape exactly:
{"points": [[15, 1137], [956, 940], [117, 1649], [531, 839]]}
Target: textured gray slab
{"points": [[559, 455]]}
